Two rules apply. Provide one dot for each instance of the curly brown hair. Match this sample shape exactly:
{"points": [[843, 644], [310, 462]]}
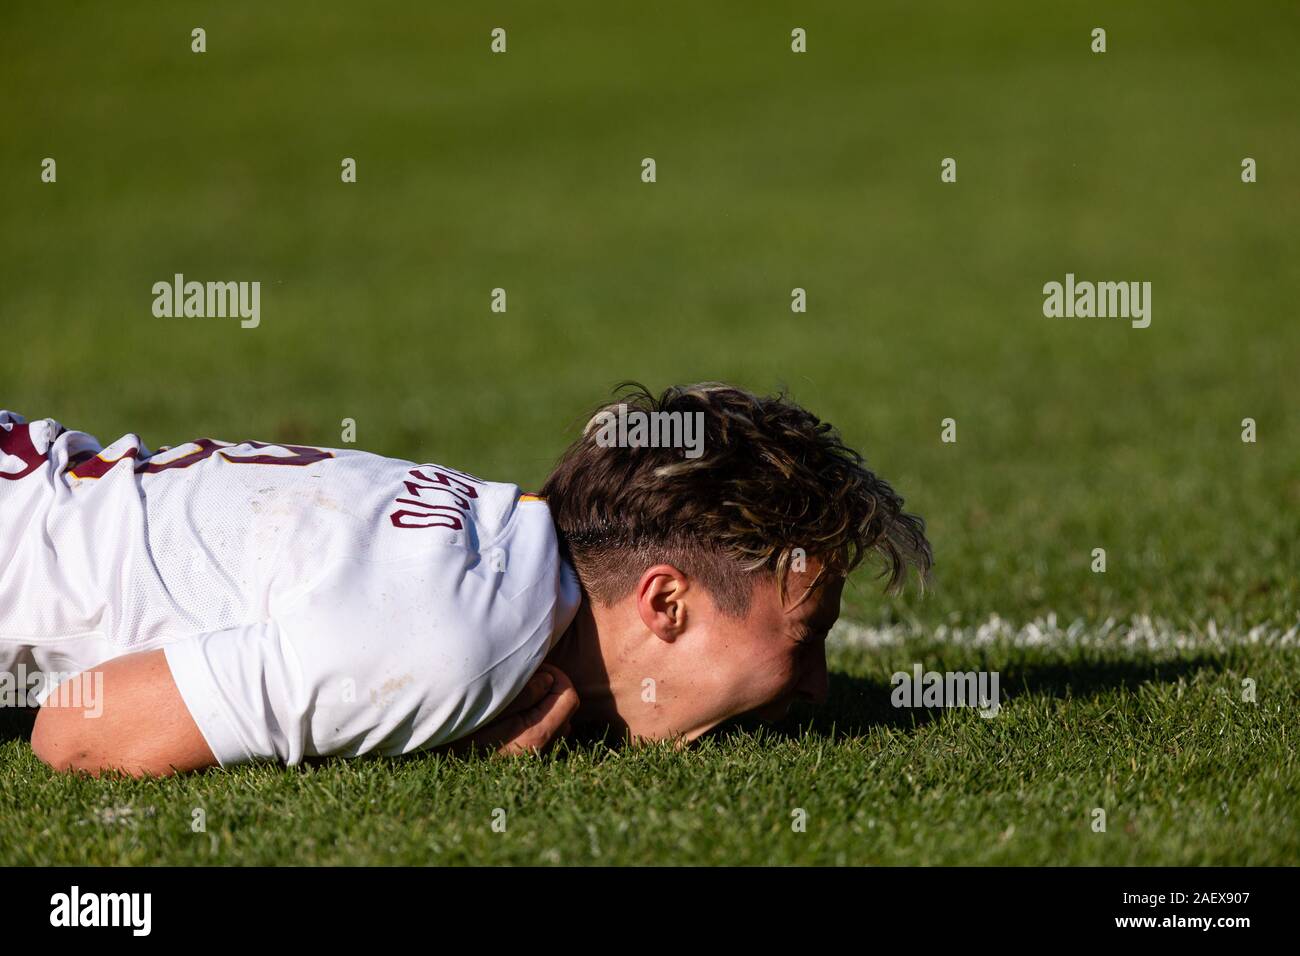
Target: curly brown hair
{"points": [[771, 483]]}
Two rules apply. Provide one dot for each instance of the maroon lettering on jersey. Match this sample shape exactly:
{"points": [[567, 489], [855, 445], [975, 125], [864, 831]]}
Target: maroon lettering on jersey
{"points": [[445, 477], [424, 491], [432, 480], [16, 441], [98, 467], [301, 455], [205, 448], [424, 519]]}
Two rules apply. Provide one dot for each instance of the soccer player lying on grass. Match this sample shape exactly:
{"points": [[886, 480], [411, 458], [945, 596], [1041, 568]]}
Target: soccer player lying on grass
{"points": [[214, 603]]}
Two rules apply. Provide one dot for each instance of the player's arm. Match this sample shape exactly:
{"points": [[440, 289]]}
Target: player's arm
{"points": [[540, 714], [128, 716]]}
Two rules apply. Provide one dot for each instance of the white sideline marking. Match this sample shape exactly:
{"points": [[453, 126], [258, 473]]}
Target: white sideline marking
{"points": [[1139, 633]]}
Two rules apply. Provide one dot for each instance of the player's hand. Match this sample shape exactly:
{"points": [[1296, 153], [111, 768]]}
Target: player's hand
{"points": [[538, 716]]}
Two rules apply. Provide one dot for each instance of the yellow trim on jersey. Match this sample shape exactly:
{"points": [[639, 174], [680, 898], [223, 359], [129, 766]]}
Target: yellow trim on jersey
{"points": [[531, 498]]}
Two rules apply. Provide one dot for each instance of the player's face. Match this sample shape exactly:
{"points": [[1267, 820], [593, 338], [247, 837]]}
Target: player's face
{"points": [[762, 663]]}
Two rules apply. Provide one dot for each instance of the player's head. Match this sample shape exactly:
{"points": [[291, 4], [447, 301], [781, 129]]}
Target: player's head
{"points": [[712, 531]]}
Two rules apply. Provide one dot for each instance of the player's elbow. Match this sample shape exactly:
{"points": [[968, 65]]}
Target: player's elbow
{"points": [[62, 741], [55, 743]]}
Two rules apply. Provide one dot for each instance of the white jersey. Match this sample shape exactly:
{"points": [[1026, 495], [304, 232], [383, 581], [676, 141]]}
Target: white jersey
{"points": [[309, 601]]}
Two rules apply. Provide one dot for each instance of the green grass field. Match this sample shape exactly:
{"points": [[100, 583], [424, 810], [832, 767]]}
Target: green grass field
{"points": [[1122, 691]]}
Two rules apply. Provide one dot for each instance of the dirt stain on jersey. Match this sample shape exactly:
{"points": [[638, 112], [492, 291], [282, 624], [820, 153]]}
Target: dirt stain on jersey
{"points": [[384, 694]]}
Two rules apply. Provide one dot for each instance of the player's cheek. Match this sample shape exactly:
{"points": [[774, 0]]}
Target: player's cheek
{"points": [[777, 681]]}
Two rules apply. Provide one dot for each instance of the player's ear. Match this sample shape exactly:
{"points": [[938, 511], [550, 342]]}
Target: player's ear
{"points": [[661, 600]]}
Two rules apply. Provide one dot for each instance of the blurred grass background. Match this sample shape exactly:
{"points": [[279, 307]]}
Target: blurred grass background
{"points": [[775, 170]]}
